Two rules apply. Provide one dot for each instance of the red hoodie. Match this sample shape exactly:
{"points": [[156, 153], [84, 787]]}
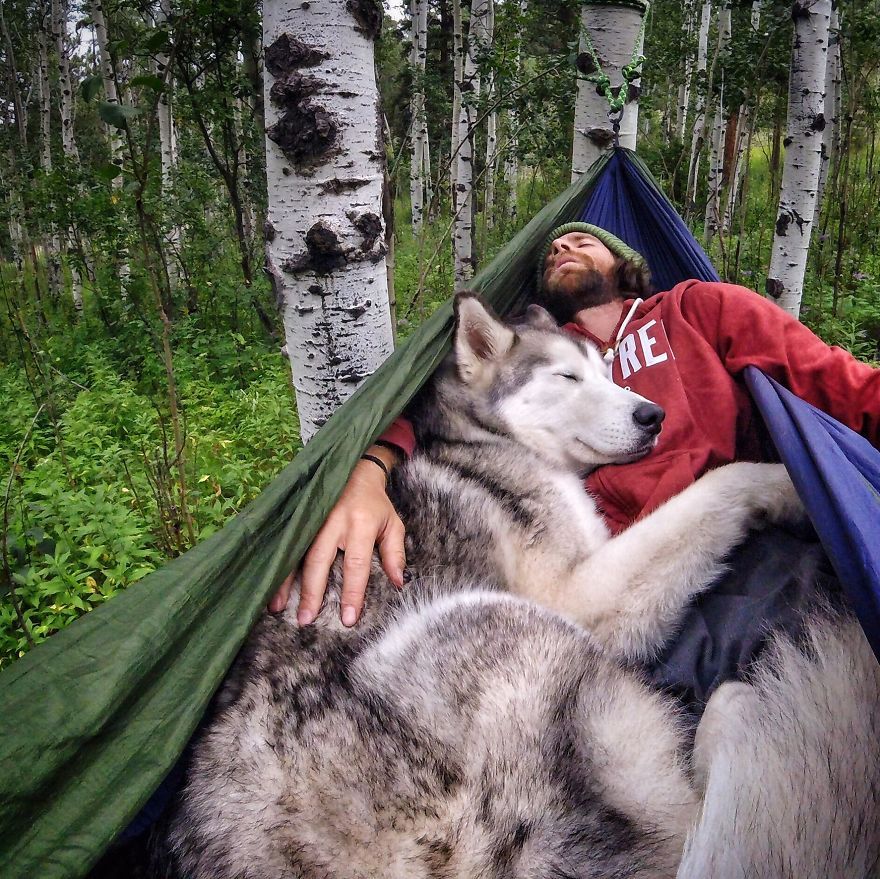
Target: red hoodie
{"points": [[686, 349]]}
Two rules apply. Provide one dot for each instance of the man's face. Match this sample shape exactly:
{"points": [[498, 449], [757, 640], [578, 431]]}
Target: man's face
{"points": [[578, 273]]}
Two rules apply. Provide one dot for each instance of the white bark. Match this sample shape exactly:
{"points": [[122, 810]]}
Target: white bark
{"points": [[325, 168], [110, 91], [701, 87], [684, 90], [418, 127], [511, 160], [832, 107], [167, 147], [616, 35], [59, 34], [491, 124], [458, 73], [744, 128], [52, 243], [716, 156], [463, 224], [803, 154]]}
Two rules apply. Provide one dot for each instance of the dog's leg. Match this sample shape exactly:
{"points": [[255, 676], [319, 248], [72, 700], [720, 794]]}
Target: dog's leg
{"points": [[631, 592]]}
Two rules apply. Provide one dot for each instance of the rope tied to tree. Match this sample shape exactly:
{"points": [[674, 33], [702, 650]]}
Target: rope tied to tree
{"points": [[630, 72]]}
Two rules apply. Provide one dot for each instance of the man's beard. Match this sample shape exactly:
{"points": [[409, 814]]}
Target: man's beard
{"points": [[564, 298]]}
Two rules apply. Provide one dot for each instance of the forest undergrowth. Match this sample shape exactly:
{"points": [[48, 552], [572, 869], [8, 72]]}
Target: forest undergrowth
{"points": [[90, 494]]}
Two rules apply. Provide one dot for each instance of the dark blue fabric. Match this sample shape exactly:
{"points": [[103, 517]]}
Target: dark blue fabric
{"points": [[837, 475], [627, 201]]}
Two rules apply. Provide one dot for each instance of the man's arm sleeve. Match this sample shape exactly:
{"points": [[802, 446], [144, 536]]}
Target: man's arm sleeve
{"points": [[747, 329], [400, 434]]}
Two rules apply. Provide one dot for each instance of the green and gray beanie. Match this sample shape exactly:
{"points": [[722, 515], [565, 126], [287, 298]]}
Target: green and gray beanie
{"points": [[612, 242]]}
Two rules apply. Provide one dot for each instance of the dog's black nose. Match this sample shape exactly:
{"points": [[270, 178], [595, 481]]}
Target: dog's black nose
{"points": [[649, 416]]}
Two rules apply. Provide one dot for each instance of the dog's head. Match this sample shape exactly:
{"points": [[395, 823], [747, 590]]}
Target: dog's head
{"points": [[545, 389]]}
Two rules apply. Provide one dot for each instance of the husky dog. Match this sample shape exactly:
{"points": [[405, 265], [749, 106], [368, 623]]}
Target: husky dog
{"points": [[490, 720]]}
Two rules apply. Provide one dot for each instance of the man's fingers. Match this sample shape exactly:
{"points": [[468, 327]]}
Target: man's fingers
{"points": [[391, 551], [355, 574], [279, 600], [316, 569]]}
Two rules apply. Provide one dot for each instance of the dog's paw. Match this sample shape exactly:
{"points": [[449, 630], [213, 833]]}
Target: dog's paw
{"points": [[764, 491], [724, 710]]}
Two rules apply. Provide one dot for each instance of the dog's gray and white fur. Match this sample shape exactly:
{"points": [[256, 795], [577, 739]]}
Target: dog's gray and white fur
{"points": [[489, 721]]}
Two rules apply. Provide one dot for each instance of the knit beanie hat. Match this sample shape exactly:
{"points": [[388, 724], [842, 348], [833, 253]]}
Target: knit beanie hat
{"points": [[612, 242]]}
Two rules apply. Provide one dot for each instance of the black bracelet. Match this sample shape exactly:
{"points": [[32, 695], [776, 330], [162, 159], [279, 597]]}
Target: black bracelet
{"points": [[377, 461]]}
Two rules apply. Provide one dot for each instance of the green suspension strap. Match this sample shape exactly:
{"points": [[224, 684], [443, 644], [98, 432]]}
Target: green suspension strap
{"points": [[630, 72]]}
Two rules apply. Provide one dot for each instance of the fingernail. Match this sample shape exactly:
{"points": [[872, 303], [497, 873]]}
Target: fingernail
{"points": [[349, 615], [407, 575], [304, 617]]}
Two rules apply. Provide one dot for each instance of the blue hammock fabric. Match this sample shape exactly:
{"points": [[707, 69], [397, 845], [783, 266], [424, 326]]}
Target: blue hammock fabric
{"points": [[836, 471], [837, 475], [627, 201]]}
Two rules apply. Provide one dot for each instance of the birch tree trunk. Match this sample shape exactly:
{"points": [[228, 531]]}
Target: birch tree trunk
{"points": [[701, 86], [458, 73], [324, 168], [418, 126], [616, 34], [463, 223], [491, 124], [832, 107], [684, 90], [66, 106], [167, 148], [110, 91], [716, 157], [803, 154], [511, 146], [52, 243]]}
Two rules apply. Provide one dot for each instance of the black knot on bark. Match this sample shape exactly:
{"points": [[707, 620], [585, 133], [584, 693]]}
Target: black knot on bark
{"points": [[818, 123], [306, 133], [370, 226], [774, 287], [268, 231], [783, 221], [786, 141], [601, 137], [293, 88], [287, 53], [800, 9], [368, 15], [324, 247], [633, 92], [585, 64]]}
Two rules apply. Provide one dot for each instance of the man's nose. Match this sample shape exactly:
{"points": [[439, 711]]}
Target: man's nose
{"points": [[559, 244]]}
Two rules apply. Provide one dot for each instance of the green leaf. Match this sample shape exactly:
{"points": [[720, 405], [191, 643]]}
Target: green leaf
{"points": [[117, 114], [108, 172], [149, 81], [158, 41], [90, 87]]}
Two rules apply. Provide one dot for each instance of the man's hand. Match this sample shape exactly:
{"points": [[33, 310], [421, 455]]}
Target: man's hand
{"points": [[362, 518]]}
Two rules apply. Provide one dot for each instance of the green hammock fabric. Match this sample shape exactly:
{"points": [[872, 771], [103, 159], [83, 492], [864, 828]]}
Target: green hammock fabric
{"points": [[95, 717]]}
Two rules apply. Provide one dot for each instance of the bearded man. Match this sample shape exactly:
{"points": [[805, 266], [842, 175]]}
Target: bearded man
{"points": [[686, 350]]}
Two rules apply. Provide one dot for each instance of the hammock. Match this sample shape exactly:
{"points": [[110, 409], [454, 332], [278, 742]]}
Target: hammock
{"points": [[95, 717]]}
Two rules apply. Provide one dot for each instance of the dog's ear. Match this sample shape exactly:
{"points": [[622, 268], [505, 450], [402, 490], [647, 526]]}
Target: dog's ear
{"points": [[480, 338], [540, 318]]}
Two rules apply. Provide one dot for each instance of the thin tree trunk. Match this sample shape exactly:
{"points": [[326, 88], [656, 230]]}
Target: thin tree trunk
{"points": [[491, 125], [68, 143], [702, 89], [325, 168], [800, 175], [511, 147], [716, 157], [832, 106], [458, 76], [616, 35], [418, 126], [463, 224], [51, 242], [684, 90]]}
